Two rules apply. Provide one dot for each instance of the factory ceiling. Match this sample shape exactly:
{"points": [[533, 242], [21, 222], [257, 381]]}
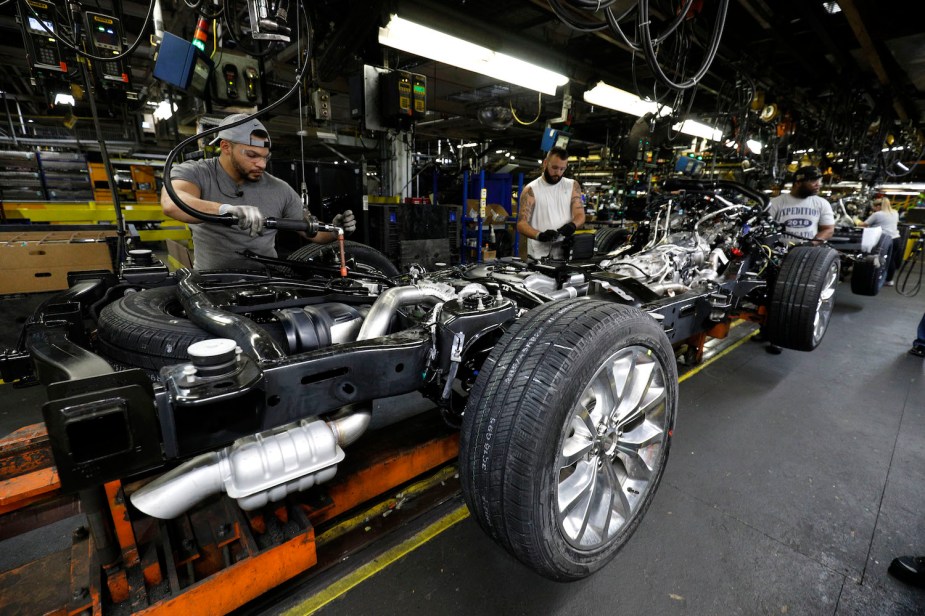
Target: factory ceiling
{"points": [[845, 77]]}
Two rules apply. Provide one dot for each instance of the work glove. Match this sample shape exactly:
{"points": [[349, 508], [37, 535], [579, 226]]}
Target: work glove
{"points": [[567, 229], [547, 236], [346, 221], [249, 217]]}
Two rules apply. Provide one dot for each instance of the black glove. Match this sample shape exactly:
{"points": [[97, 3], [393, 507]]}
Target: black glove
{"points": [[567, 229], [547, 236], [249, 217]]}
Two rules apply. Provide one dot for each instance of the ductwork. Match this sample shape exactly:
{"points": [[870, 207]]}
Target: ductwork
{"points": [[388, 303], [253, 470], [223, 324]]}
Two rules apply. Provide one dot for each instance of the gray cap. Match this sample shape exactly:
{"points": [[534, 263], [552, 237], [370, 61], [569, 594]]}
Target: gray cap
{"points": [[244, 132]]}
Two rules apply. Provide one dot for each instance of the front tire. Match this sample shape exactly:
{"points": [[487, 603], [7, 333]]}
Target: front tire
{"points": [[566, 434], [803, 298]]}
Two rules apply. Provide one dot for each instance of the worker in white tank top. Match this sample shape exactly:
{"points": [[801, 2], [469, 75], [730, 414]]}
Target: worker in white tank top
{"points": [[550, 208]]}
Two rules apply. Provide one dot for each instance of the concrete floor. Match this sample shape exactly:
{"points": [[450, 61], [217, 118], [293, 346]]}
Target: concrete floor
{"points": [[792, 482]]}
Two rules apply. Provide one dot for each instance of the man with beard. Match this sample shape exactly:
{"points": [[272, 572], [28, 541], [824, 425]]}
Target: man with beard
{"points": [[228, 184], [803, 213], [551, 203]]}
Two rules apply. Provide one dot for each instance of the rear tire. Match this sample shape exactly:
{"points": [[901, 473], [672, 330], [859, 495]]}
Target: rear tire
{"points": [[803, 298], [869, 273], [608, 238], [566, 434]]}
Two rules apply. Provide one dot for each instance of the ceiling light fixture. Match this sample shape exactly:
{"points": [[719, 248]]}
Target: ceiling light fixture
{"points": [[164, 110], [606, 95], [64, 99], [698, 129], [428, 43], [754, 146]]}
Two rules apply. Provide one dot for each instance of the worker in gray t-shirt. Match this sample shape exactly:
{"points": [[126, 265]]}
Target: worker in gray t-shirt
{"points": [[236, 183], [801, 211]]}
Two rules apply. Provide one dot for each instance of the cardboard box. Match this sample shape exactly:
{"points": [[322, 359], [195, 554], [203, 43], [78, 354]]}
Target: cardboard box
{"points": [[179, 255], [495, 214], [489, 255], [31, 262]]}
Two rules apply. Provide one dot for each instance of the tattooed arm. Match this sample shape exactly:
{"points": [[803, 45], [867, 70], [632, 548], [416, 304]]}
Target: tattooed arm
{"points": [[525, 214], [578, 208]]}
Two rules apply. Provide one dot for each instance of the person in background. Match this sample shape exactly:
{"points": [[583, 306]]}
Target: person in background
{"points": [[230, 184], [802, 212], [918, 345], [909, 569], [550, 207], [886, 218]]}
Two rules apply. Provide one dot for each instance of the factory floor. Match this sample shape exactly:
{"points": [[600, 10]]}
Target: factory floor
{"points": [[793, 481]]}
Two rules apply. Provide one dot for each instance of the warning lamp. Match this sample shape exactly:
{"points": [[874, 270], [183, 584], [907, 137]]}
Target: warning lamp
{"points": [[201, 35]]}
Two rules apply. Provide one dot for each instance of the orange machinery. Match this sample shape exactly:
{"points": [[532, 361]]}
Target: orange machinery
{"points": [[211, 560]]}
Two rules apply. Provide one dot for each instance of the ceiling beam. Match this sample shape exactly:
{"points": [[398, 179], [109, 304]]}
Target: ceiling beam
{"points": [[853, 15]]}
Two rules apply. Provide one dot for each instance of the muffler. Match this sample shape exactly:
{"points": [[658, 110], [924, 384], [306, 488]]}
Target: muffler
{"points": [[253, 470]]}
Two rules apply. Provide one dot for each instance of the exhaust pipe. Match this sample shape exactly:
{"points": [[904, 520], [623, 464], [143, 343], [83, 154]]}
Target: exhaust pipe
{"points": [[254, 470]]}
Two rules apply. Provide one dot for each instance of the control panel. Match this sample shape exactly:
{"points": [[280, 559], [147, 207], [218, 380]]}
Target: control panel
{"points": [[236, 80], [104, 34], [404, 98], [39, 25], [321, 101]]}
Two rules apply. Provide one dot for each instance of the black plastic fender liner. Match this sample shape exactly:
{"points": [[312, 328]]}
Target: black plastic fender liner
{"points": [[56, 358]]}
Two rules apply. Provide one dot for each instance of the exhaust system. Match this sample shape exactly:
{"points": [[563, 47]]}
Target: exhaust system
{"points": [[268, 466]]}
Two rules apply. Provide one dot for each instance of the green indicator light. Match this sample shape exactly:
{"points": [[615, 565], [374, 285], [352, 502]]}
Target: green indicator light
{"points": [[199, 45]]}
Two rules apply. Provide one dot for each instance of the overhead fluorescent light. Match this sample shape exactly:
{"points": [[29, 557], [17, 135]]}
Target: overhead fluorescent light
{"points": [[164, 110], [699, 130], [754, 146], [831, 7], [64, 99], [428, 43], [605, 95]]}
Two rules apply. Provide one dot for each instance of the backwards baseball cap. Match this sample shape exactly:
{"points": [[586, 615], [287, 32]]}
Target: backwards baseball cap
{"points": [[809, 172], [244, 133]]}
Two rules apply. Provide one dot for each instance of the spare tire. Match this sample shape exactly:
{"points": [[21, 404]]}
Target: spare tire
{"points": [[869, 273], [149, 330], [803, 297], [366, 257], [566, 434]]}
